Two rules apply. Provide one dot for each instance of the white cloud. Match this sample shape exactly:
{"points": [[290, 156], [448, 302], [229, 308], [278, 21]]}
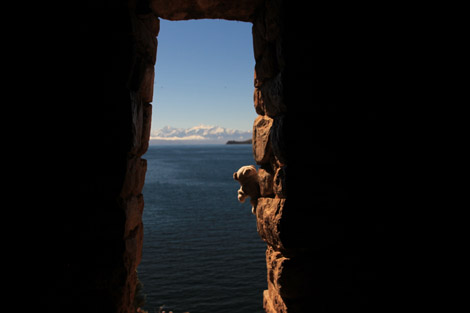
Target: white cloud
{"points": [[200, 133], [194, 137]]}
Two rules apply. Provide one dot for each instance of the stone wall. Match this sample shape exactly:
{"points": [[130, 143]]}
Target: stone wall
{"points": [[288, 271], [92, 233], [320, 213], [145, 28]]}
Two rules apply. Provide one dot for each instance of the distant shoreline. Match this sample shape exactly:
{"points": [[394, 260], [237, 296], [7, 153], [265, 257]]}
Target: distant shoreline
{"points": [[235, 142]]}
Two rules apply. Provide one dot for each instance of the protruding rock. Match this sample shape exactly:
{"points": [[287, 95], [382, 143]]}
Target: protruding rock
{"points": [[135, 177], [288, 275], [273, 97], [261, 143], [269, 215], [146, 127], [279, 183], [265, 183], [259, 35], [267, 67], [258, 101], [278, 139], [146, 86]]}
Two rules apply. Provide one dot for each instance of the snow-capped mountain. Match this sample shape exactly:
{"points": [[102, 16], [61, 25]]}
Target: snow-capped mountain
{"points": [[198, 134]]}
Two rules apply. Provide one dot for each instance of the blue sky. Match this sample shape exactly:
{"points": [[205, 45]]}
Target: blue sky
{"points": [[204, 75]]}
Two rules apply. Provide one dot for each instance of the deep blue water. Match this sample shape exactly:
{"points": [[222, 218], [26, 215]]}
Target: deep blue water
{"points": [[201, 251]]}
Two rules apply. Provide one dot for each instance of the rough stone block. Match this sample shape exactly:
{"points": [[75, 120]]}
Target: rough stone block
{"points": [[258, 101], [137, 119], [145, 35], [133, 208], [133, 246], [272, 19], [141, 124], [146, 127], [259, 36], [265, 180], [135, 177], [146, 86], [273, 96], [269, 213], [267, 67], [150, 22], [289, 276], [268, 305], [290, 228], [257, 83], [240, 10], [278, 139], [273, 303], [279, 182], [261, 143]]}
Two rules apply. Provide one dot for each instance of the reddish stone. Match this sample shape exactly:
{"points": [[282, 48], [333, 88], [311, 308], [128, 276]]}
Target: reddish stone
{"points": [[146, 86], [146, 127], [258, 101], [273, 97], [261, 143], [269, 213], [240, 10], [288, 275], [133, 208], [135, 177], [265, 183], [267, 66], [279, 183]]}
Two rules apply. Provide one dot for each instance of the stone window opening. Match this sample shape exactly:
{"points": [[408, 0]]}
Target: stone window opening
{"points": [[269, 149], [247, 107]]}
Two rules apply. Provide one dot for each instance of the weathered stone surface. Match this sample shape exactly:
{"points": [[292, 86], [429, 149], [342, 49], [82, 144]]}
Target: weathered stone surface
{"points": [[268, 96], [272, 19], [279, 182], [151, 22], [133, 208], [133, 245], [278, 139], [259, 36], [261, 143], [258, 101], [265, 183], [241, 10], [273, 303], [125, 301], [146, 127], [256, 82], [267, 66], [273, 97], [146, 86], [135, 177], [146, 28], [269, 214], [289, 276], [136, 126]]}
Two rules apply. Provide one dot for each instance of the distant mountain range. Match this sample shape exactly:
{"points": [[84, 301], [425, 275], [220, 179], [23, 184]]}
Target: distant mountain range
{"points": [[202, 134]]}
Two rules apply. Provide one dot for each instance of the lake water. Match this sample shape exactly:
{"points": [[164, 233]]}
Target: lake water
{"points": [[201, 251]]}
